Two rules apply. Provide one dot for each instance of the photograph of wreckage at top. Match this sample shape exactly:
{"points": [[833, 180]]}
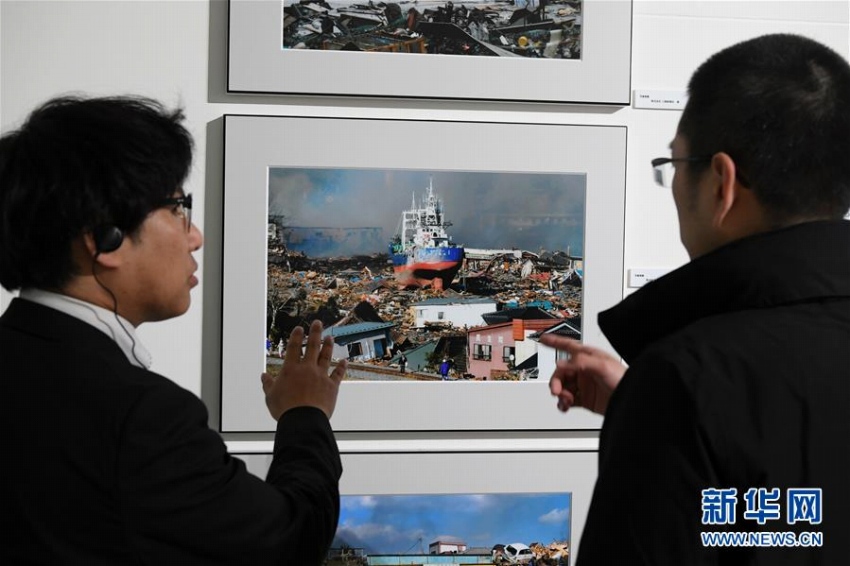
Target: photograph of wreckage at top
{"points": [[426, 275], [548, 29]]}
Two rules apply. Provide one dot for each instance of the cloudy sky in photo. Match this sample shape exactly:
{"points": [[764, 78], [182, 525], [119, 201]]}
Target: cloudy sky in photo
{"points": [[399, 524], [529, 211]]}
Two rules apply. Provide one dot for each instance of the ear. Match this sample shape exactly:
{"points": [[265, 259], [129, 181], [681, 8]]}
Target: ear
{"points": [[88, 242], [108, 260], [726, 188]]}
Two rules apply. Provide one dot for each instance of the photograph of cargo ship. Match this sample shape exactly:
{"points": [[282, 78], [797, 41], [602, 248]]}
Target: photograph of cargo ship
{"points": [[422, 253], [548, 29], [500, 528], [425, 275]]}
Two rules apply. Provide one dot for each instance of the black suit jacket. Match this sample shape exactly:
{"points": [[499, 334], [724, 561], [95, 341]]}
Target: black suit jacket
{"points": [[737, 379], [107, 463]]}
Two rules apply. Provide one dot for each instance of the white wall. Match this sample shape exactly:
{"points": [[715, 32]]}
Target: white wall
{"points": [[526, 348], [175, 51]]}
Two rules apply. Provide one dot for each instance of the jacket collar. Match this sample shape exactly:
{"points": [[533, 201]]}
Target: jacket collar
{"points": [[109, 322], [55, 326], [800, 263]]}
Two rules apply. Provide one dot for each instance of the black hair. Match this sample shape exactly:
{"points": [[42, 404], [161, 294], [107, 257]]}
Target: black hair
{"points": [[779, 105], [77, 164]]}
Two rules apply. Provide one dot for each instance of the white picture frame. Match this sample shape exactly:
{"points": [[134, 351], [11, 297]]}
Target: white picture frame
{"points": [[438, 473], [254, 144], [257, 64]]}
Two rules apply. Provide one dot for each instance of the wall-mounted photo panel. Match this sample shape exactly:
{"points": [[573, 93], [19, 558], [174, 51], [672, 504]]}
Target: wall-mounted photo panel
{"points": [[435, 266], [409, 508], [575, 51]]}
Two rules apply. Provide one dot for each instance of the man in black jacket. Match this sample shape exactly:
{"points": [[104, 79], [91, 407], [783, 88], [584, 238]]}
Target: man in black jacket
{"points": [[107, 462], [726, 439]]}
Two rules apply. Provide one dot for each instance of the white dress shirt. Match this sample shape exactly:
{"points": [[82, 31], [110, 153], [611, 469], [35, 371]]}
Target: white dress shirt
{"points": [[110, 323]]}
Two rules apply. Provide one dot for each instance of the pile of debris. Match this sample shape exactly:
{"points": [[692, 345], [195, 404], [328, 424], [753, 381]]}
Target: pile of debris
{"points": [[556, 554], [527, 28], [550, 278], [347, 290]]}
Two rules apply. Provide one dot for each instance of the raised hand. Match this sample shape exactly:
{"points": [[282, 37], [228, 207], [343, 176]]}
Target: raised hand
{"points": [[586, 379], [305, 380]]}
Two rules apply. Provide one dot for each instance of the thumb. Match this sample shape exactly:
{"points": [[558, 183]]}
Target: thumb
{"points": [[267, 381]]}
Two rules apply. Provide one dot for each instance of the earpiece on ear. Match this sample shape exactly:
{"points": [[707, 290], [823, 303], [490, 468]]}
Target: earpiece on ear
{"points": [[107, 238]]}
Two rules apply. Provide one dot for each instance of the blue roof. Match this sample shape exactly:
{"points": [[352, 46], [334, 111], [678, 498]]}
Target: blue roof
{"points": [[357, 328]]}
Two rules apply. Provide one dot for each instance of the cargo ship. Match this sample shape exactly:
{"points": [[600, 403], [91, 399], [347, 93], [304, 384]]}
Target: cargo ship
{"points": [[422, 252]]}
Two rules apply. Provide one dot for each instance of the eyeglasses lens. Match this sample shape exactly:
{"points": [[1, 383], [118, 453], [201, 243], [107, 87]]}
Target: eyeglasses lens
{"points": [[663, 174]]}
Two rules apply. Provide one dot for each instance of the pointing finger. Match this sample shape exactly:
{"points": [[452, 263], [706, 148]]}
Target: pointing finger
{"points": [[561, 343]]}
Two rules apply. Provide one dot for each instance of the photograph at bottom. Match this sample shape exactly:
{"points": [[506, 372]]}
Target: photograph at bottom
{"points": [[496, 529]]}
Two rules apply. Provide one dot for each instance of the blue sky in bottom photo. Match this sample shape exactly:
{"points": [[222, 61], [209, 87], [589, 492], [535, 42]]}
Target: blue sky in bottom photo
{"points": [[407, 524]]}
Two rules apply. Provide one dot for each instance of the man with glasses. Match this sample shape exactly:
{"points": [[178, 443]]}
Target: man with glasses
{"points": [[732, 416], [106, 461]]}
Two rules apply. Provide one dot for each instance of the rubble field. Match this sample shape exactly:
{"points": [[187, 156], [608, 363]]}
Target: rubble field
{"points": [[347, 290], [522, 28]]}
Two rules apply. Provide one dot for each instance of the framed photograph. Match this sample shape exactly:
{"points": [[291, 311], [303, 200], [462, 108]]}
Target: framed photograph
{"points": [[433, 253], [397, 507], [563, 51]]}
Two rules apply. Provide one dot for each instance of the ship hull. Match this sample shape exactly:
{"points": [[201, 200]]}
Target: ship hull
{"points": [[429, 266]]}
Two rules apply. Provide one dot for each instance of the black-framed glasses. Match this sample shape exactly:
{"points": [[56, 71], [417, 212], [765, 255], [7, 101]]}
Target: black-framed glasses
{"points": [[183, 208], [663, 168]]}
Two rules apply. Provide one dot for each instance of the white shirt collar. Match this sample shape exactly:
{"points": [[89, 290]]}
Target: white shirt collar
{"points": [[110, 323]]}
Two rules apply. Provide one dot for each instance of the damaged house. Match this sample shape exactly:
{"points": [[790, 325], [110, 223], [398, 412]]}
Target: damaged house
{"points": [[361, 341], [496, 349], [546, 355], [458, 312]]}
